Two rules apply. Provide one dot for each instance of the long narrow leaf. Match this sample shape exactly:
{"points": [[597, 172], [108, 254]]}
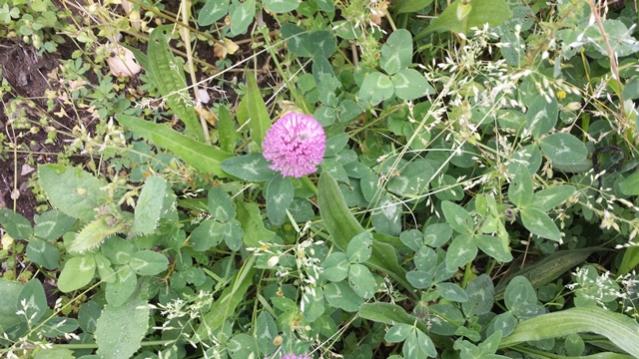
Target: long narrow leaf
{"points": [[342, 226], [618, 328], [168, 77], [203, 157]]}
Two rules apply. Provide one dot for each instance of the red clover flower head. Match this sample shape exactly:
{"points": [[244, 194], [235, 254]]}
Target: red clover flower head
{"points": [[294, 145], [295, 356]]}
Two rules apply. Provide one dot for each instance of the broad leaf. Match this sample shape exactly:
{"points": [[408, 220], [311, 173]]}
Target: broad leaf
{"points": [[538, 223], [71, 190], [212, 11], [120, 330], [149, 207], [410, 85], [252, 168], [397, 52], [279, 196], [76, 273], [563, 149], [281, 6]]}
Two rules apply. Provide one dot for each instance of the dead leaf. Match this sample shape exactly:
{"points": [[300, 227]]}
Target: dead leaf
{"points": [[225, 47], [122, 63]]}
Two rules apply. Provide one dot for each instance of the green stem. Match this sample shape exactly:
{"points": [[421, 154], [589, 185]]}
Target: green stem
{"points": [[309, 184], [77, 346]]}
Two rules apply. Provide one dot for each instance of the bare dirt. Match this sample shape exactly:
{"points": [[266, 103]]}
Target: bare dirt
{"points": [[26, 72]]}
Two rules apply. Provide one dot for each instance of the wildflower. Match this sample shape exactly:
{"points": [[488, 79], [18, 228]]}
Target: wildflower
{"points": [[295, 356], [295, 144]]}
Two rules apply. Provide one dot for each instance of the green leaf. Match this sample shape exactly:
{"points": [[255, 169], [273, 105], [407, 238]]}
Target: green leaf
{"points": [[265, 332], [120, 290], [520, 190], [437, 234], [279, 195], [362, 281], [413, 180], [390, 314], [457, 217], [212, 11], [232, 234], [220, 205], [398, 333], [168, 78], [452, 292], [74, 192], [93, 234], [618, 328], [204, 158], [148, 262], [281, 6], [409, 6], [494, 247], [481, 296], [462, 250], [538, 223], [226, 304], [54, 353], [548, 269], [43, 253], [226, 130], [76, 273], [563, 149], [418, 345], [397, 52], [51, 225], [256, 112], [250, 217], [410, 85], [412, 239], [553, 196], [242, 15], [342, 227], [120, 330], [462, 15], [206, 235], [340, 295], [359, 248], [15, 224], [541, 115], [335, 267], [376, 88], [33, 295], [420, 279], [148, 209], [10, 294], [630, 260], [242, 346], [629, 186], [252, 168], [519, 293]]}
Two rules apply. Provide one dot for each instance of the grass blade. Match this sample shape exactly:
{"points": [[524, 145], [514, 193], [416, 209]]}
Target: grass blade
{"points": [[618, 328]]}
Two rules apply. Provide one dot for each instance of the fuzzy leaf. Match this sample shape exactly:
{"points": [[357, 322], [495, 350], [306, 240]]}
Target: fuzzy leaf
{"points": [[168, 77], [148, 210], [74, 192]]}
